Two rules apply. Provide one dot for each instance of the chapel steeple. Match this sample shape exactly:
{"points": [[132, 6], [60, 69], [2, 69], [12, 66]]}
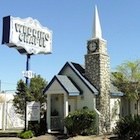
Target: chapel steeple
{"points": [[96, 31], [96, 43], [97, 71]]}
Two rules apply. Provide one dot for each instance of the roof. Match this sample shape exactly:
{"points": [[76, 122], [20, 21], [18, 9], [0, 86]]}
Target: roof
{"points": [[114, 91], [69, 85], [66, 84], [79, 70]]}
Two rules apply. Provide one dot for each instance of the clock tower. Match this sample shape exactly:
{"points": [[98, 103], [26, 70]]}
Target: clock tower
{"points": [[97, 71]]}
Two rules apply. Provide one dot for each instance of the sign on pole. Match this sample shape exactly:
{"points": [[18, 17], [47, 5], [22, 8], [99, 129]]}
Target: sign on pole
{"points": [[33, 111], [27, 36], [29, 74]]}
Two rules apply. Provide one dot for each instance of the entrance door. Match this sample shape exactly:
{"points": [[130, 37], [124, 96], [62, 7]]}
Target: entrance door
{"points": [[71, 105]]}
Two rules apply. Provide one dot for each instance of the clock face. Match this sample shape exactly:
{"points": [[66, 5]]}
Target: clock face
{"points": [[92, 46]]}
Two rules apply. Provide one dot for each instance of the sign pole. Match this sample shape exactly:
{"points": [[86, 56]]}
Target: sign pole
{"points": [[27, 69], [28, 37], [28, 84]]}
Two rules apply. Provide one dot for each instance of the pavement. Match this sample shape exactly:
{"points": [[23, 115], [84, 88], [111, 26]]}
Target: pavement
{"points": [[43, 137], [53, 137], [10, 135]]}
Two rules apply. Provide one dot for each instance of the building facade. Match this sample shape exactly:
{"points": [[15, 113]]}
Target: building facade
{"points": [[77, 86]]}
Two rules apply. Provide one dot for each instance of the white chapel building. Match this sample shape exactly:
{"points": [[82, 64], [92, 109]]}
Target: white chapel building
{"points": [[78, 86]]}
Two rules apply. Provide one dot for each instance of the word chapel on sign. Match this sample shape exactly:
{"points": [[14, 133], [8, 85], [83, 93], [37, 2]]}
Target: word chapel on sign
{"points": [[32, 36]]}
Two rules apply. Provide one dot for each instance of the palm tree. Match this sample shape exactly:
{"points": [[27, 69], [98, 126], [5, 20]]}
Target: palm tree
{"points": [[127, 80]]}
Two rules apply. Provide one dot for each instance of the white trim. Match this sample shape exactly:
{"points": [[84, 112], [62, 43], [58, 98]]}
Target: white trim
{"points": [[97, 114], [65, 109], [49, 112]]}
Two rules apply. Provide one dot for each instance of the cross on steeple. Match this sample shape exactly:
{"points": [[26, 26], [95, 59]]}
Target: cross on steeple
{"points": [[96, 32]]}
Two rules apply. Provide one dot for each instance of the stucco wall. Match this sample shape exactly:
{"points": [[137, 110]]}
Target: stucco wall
{"points": [[1, 109], [57, 101], [86, 99], [55, 88], [115, 111], [128, 106], [8, 118], [133, 107]]}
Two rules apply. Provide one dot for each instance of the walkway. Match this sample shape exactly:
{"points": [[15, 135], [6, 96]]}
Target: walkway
{"points": [[51, 137]]}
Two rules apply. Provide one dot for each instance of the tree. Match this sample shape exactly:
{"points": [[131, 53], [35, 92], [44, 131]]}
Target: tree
{"points": [[31, 93], [127, 80], [37, 86], [19, 98]]}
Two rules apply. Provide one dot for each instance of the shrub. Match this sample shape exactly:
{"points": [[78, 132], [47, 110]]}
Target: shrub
{"points": [[26, 135], [34, 127], [128, 127], [38, 128], [80, 122]]}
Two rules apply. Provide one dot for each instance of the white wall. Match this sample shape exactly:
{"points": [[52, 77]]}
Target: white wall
{"points": [[8, 118], [13, 120], [115, 110], [1, 106], [57, 101], [87, 97], [133, 106]]}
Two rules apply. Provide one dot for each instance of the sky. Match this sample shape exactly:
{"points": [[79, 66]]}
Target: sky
{"points": [[71, 23]]}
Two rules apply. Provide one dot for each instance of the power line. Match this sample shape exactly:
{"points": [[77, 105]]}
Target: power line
{"points": [[5, 83]]}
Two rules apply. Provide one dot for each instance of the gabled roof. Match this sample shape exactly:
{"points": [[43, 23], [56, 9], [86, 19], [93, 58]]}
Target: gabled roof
{"points": [[79, 70], [71, 88], [114, 91], [66, 84]]}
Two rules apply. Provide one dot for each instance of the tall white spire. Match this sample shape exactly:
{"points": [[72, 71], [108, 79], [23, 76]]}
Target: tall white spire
{"points": [[96, 32]]}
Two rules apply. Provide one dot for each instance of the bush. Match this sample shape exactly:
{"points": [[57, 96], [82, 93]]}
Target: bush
{"points": [[128, 127], [80, 122], [38, 128], [34, 127], [26, 135]]}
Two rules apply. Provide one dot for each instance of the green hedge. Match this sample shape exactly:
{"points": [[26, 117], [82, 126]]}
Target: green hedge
{"points": [[81, 122]]}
